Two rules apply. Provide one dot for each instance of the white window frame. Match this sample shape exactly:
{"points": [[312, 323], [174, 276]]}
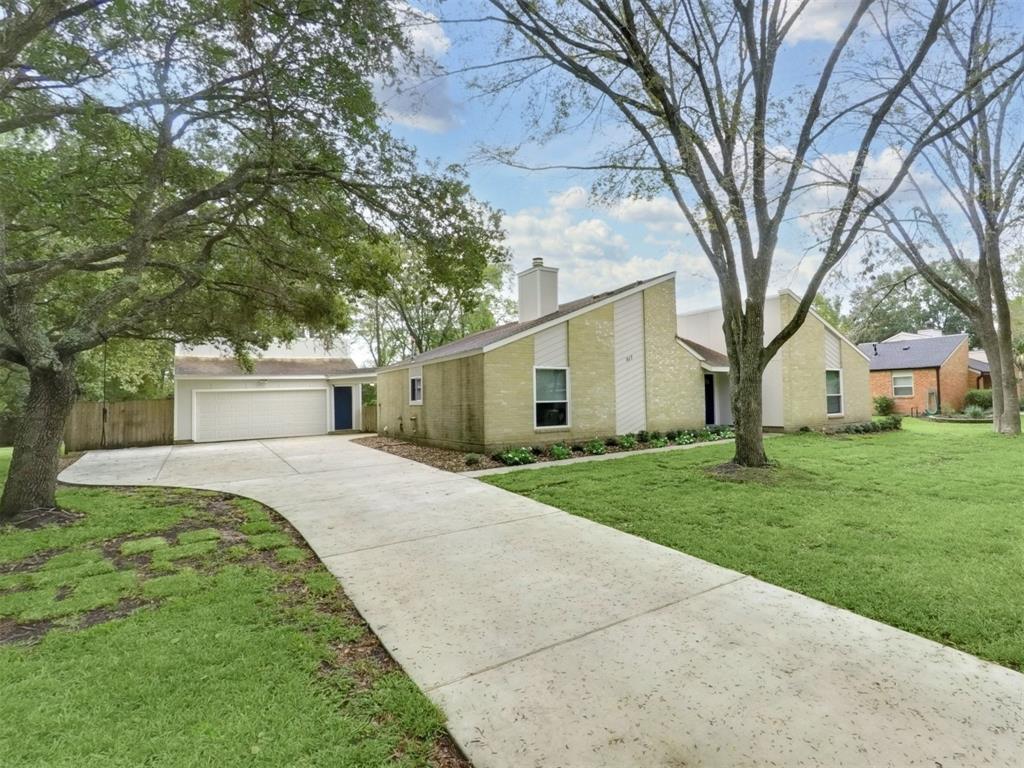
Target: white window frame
{"points": [[902, 375], [411, 380], [841, 396], [567, 401]]}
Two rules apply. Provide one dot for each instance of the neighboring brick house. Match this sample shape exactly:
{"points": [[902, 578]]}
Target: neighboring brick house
{"points": [[922, 373]]}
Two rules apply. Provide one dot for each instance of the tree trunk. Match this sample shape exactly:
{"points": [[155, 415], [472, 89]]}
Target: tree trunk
{"points": [[1010, 414], [987, 333], [746, 406], [32, 479]]}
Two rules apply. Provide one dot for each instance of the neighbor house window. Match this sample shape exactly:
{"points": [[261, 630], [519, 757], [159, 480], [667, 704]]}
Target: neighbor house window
{"points": [[834, 393], [551, 397], [903, 385], [415, 390]]}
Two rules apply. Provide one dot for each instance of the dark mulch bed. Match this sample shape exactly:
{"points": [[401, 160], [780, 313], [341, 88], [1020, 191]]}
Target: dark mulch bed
{"points": [[442, 458]]}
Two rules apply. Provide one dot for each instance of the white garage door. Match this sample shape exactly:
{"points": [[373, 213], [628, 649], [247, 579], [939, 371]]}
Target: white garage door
{"points": [[249, 414]]}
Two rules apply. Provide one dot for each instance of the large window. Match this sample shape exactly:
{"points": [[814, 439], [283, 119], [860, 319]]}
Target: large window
{"points": [[551, 396], [415, 390], [903, 385], [834, 393]]}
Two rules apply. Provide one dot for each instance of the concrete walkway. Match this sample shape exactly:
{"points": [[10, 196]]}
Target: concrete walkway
{"points": [[554, 642]]}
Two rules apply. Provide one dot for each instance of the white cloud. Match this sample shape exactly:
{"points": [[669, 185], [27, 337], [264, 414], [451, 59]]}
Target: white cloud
{"points": [[658, 213], [822, 20], [592, 255], [419, 97]]}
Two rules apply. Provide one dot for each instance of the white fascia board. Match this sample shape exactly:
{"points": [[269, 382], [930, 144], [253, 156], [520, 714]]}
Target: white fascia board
{"points": [[715, 368], [581, 311], [249, 377]]}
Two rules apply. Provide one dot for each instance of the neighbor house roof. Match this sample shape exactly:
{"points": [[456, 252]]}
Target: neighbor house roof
{"points": [[476, 342], [928, 352], [979, 365], [228, 366], [712, 357]]}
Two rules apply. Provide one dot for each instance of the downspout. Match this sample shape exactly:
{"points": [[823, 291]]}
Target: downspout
{"points": [[938, 388]]}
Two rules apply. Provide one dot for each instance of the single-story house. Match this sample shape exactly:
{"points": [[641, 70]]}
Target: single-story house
{"points": [[818, 379], [296, 389], [979, 372], [607, 364], [922, 373]]}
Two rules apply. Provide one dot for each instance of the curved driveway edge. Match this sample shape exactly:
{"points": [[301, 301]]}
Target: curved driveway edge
{"points": [[554, 642]]}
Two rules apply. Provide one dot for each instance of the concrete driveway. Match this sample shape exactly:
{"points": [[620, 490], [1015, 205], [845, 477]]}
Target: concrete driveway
{"points": [[554, 642]]}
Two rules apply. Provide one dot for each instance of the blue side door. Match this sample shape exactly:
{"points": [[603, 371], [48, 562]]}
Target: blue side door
{"points": [[343, 407]]}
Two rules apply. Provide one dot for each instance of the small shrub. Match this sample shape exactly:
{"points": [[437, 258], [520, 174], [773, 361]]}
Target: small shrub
{"points": [[672, 434], [974, 412], [516, 456], [472, 459], [594, 448], [884, 405], [979, 397], [612, 442], [559, 452], [578, 448], [884, 424], [643, 436], [685, 438], [705, 434], [658, 442], [726, 434], [628, 442], [656, 435]]}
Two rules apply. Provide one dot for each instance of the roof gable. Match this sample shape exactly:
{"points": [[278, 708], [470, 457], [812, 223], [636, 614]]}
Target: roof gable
{"points": [[929, 352]]}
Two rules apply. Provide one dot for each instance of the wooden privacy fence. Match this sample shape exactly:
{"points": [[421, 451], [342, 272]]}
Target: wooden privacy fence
{"points": [[122, 425], [369, 423]]}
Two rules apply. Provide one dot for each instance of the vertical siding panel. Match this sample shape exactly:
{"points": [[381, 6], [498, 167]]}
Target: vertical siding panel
{"points": [[630, 390]]}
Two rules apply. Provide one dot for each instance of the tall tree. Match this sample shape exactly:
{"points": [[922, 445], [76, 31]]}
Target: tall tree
{"points": [[414, 307], [693, 86], [193, 171], [965, 197], [901, 300]]}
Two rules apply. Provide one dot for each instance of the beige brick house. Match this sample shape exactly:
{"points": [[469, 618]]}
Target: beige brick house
{"points": [[607, 364], [819, 379]]}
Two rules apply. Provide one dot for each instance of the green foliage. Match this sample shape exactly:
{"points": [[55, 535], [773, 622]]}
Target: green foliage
{"points": [[685, 438], [974, 412], [127, 369], [979, 397], [516, 456], [141, 546], [472, 459], [594, 448], [659, 442], [628, 442], [642, 436], [883, 424], [559, 451], [901, 300], [892, 527], [884, 405]]}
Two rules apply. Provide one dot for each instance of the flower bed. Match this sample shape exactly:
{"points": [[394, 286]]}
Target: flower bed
{"points": [[457, 461]]}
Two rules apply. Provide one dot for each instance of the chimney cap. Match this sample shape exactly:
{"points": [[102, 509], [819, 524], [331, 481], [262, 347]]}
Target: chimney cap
{"points": [[538, 261]]}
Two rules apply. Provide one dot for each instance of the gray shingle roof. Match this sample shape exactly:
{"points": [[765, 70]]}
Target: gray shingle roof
{"points": [[481, 339], [912, 353], [228, 366], [981, 366]]}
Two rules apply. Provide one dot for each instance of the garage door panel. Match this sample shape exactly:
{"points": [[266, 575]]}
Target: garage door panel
{"points": [[252, 414]]}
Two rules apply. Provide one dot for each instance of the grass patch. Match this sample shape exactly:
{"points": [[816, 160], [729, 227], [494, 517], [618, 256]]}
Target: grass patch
{"points": [[243, 660], [921, 529]]}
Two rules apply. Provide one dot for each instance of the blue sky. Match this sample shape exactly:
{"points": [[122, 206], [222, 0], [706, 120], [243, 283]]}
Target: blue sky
{"points": [[550, 213]]}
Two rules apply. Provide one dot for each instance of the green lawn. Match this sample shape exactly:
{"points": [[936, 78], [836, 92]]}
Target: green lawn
{"points": [[922, 529], [174, 628]]}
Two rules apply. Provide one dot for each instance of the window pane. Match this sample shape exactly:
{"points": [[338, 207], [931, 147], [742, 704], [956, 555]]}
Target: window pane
{"points": [[416, 389], [832, 382], [551, 385], [834, 403], [552, 414]]}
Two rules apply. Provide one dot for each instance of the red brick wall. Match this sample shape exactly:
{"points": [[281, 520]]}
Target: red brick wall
{"points": [[953, 377], [924, 380]]}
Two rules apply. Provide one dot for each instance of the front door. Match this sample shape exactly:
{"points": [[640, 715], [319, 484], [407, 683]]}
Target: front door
{"points": [[709, 398], [343, 407]]}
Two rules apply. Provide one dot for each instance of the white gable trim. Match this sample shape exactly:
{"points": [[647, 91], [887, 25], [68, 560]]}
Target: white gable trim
{"points": [[581, 311]]}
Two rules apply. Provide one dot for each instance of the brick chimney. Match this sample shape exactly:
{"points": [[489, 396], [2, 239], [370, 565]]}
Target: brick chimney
{"points": [[538, 291]]}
